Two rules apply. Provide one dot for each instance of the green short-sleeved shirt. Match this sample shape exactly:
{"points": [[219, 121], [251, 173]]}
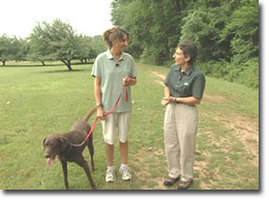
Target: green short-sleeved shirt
{"points": [[112, 74], [186, 84]]}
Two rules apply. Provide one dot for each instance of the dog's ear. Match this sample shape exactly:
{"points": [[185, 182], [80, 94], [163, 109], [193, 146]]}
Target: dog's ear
{"points": [[44, 140], [63, 142]]}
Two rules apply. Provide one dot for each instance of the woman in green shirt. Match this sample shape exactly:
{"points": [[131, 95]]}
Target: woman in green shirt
{"points": [[114, 72]]}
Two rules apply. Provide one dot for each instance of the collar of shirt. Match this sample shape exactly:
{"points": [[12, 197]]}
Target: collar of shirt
{"points": [[110, 56], [187, 72]]}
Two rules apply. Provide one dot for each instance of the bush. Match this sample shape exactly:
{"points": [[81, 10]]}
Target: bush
{"points": [[250, 76], [245, 73], [217, 69]]}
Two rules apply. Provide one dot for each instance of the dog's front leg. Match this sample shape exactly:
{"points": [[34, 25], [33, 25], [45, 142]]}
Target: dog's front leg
{"points": [[87, 170], [64, 167], [83, 163]]}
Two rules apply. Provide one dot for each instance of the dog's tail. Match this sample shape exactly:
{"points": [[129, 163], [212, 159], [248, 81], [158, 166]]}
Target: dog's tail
{"points": [[92, 111]]}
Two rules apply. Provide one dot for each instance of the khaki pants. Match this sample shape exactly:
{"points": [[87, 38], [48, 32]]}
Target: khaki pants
{"points": [[180, 127]]}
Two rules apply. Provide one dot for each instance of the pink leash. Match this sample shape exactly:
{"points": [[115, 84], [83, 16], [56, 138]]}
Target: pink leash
{"points": [[106, 114]]}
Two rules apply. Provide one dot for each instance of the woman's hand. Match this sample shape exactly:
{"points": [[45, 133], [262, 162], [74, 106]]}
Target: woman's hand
{"points": [[128, 81], [164, 102], [167, 100], [100, 113]]}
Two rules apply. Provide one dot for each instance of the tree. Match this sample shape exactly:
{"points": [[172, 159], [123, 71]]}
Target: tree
{"points": [[5, 49], [225, 31], [12, 49], [203, 26], [243, 31], [89, 47], [19, 49], [84, 48], [152, 24], [97, 45], [56, 41]]}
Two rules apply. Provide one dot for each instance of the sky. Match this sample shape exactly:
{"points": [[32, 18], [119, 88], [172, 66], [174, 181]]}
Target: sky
{"points": [[87, 17]]}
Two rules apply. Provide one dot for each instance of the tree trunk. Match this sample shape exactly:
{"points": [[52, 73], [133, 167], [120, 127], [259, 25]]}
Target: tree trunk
{"points": [[4, 62], [43, 63], [178, 5], [68, 64]]}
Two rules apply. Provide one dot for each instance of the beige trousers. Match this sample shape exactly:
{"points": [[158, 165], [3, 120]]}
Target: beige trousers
{"points": [[180, 127]]}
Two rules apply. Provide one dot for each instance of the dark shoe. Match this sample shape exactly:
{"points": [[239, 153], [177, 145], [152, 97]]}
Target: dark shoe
{"points": [[170, 181], [184, 185]]}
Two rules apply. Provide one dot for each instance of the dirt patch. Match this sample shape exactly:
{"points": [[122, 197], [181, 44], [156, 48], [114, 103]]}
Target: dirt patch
{"points": [[158, 82], [200, 166], [214, 99], [245, 129], [153, 183], [161, 76]]}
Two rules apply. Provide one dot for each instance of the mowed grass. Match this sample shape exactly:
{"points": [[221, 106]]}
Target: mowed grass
{"points": [[38, 101]]}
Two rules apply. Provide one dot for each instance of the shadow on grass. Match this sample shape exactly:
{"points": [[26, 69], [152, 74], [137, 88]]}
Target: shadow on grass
{"points": [[64, 71], [45, 66], [62, 68], [31, 65]]}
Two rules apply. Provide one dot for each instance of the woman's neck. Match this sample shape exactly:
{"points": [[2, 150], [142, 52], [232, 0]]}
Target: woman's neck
{"points": [[184, 67], [116, 54]]}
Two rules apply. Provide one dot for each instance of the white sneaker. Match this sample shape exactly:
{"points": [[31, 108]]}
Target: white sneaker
{"points": [[125, 172], [110, 174]]}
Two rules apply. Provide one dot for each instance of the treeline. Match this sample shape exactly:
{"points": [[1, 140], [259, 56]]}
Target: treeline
{"points": [[225, 31], [50, 42]]}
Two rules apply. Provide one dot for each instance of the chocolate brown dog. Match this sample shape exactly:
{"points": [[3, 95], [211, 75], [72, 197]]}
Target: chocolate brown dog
{"points": [[68, 149]]}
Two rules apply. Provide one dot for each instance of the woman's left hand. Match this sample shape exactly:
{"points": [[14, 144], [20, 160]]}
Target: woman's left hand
{"points": [[170, 99], [127, 81], [164, 102]]}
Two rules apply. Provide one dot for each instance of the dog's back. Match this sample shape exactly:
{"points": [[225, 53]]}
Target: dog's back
{"points": [[81, 126]]}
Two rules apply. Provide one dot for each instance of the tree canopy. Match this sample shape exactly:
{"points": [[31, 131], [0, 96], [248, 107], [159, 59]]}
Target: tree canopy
{"points": [[58, 41], [50, 42], [225, 31], [12, 49]]}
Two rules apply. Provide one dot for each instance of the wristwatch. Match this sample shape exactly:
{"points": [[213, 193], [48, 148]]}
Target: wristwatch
{"points": [[98, 105]]}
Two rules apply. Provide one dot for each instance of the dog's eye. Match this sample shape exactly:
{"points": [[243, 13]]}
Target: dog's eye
{"points": [[46, 144]]}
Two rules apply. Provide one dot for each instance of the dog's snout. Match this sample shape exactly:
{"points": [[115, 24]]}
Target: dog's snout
{"points": [[47, 154]]}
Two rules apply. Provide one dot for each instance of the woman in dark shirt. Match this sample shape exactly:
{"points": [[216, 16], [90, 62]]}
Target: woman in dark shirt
{"points": [[184, 88]]}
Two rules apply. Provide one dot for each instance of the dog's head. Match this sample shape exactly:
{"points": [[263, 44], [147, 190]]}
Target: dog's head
{"points": [[53, 145]]}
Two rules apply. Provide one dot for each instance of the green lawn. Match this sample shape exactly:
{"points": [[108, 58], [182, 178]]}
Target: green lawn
{"points": [[37, 101]]}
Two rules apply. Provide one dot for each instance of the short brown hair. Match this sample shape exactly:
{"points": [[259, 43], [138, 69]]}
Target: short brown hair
{"points": [[189, 49], [115, 34]]}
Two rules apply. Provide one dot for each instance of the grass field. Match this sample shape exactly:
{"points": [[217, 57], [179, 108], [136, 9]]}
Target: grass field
{"points": [[37, 101]]}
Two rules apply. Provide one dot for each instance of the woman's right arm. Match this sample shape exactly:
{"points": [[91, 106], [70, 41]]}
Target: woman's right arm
{"points": [[98, 97], [165, 100]]}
